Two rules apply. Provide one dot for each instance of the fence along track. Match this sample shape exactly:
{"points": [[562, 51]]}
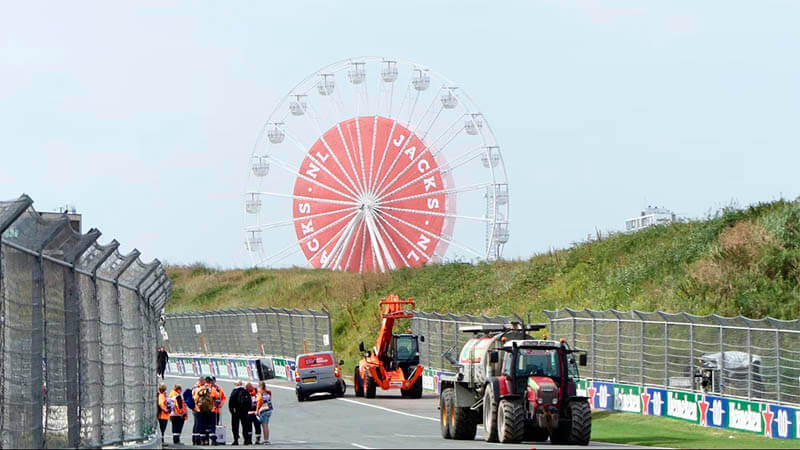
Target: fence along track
{"points": [[79, 325], [254, 331], [662, 349]]}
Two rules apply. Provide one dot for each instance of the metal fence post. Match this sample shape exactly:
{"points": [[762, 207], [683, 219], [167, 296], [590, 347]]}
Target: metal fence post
{"points": [[778, 363], [749, 363], [641, 343], [666, 352], [721, 357], [619, 349], [594, 349]]}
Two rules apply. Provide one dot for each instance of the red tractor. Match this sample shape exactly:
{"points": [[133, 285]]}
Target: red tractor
{"points": [[394, 361], [520, 388]]}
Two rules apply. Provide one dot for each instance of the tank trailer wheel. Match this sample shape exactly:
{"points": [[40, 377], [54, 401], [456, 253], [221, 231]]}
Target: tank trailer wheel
{"points": [[446, 410], [489, 415]]}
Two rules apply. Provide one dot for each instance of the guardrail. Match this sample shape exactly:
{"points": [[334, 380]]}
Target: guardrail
{"points": [[255, 331], [77, 335]]}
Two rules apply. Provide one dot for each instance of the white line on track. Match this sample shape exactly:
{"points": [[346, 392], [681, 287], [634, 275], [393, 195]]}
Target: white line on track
{"points": [[387, 409], [358, 445]]}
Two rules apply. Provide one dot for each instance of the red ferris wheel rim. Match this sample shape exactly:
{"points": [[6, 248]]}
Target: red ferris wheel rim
{"points": [[369, 196]]}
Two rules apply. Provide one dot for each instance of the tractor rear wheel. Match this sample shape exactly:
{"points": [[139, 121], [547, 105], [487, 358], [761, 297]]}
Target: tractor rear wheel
{"points": [[489, 415], [446, 407], [358, 383], [577, 429], [510, 421], [369, 386]]}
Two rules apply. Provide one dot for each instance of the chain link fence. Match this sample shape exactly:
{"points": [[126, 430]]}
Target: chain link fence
{"points": [[78, 329], [737, 357], [255, 331], [442, 335]]}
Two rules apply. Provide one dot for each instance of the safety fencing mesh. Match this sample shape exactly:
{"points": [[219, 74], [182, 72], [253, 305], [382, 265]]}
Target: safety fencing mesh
{"points": [[442, 335], [254, 331], [78, 333], [733, 356]]}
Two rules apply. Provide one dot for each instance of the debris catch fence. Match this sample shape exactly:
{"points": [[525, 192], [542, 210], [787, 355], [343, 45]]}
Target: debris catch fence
{"points": [[78, 330], [733, 356], [254, 331], [442, 335]]}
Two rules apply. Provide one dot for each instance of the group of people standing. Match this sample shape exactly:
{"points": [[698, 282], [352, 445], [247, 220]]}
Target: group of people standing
{"points": [[248, 406]]}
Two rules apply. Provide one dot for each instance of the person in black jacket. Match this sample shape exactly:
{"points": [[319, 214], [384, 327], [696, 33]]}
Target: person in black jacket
{"points": [[239, 404], [161, 362]]}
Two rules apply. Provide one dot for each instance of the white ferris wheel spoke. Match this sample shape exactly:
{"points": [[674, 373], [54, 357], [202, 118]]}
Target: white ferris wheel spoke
{"points": [[372, 152], [303, 197], [404, 237], [361, 153], [441, 149], [434, 213], [473, 187], [391, 241], [346, 149], [348, 240], [438, 113], [383, 155], [374, 242], [387, 254], [328, 147], [310, 236], [282, 223], [322, 166], [297, 172], [427, 110], [345, 234], [353, 247], [381, 194], [363, 246], [422, 230], [447, 130]]}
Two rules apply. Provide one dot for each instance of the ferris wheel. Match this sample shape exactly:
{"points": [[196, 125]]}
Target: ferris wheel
{"points": [[372, 164]]}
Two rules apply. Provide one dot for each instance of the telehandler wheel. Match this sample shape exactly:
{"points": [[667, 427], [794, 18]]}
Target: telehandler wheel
{"points": [[446, 401], [577, 429], [358, 383], [369, 386], [489, 415], [510, 421], [416, 389]]}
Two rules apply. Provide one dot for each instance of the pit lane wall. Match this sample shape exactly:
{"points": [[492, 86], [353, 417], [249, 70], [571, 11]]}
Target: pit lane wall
{"points": [[766, 419]]}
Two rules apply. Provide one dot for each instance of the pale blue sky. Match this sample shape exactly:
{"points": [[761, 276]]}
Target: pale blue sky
{"points": [[144, 116]]}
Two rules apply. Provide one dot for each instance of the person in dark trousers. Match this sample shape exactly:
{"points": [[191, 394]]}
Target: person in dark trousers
{"points": [[178, 415], [204, 398], [163, 410], [197, 428], [161, 362], [239, 406], [251, 412]]}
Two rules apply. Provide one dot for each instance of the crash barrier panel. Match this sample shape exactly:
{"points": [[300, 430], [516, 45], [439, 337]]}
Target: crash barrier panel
{"points": [[248, 368], [442, 335], [78, 327], [754, 360], [254, 331]]}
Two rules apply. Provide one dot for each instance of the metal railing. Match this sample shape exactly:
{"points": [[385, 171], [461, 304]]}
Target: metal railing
{"points": [[735, 356], [78, 329], [442, 335], [255, 331]]}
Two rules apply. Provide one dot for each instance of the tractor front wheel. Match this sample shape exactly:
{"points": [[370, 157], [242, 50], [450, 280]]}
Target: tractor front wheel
{"points": [[577, 428], [369, 386], [510, 421], [358, 383]]}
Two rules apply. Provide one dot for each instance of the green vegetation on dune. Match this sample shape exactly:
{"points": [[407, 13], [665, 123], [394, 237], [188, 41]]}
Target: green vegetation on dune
{"points": [[633, 429], [737, 262]]}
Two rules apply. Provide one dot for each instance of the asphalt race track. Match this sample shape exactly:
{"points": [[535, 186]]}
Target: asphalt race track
{"points": [[388, 421]]}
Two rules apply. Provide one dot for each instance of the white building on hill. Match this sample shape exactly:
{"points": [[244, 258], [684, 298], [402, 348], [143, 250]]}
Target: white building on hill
{"points": [[652, 215]]}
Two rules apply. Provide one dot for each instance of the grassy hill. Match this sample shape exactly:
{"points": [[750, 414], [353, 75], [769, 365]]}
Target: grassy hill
{"points": [[736, 262]]}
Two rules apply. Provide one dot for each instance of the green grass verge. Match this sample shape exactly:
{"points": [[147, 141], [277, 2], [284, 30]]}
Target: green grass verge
{"points": [[633, 429], [734, 262]]}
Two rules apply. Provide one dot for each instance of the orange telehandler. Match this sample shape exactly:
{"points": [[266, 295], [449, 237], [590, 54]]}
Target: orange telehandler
{"points": [[394, 361]]}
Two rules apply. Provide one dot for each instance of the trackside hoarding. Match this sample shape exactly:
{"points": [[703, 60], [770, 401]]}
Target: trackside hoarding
{"points": [[766, 419], [224, 367]]}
